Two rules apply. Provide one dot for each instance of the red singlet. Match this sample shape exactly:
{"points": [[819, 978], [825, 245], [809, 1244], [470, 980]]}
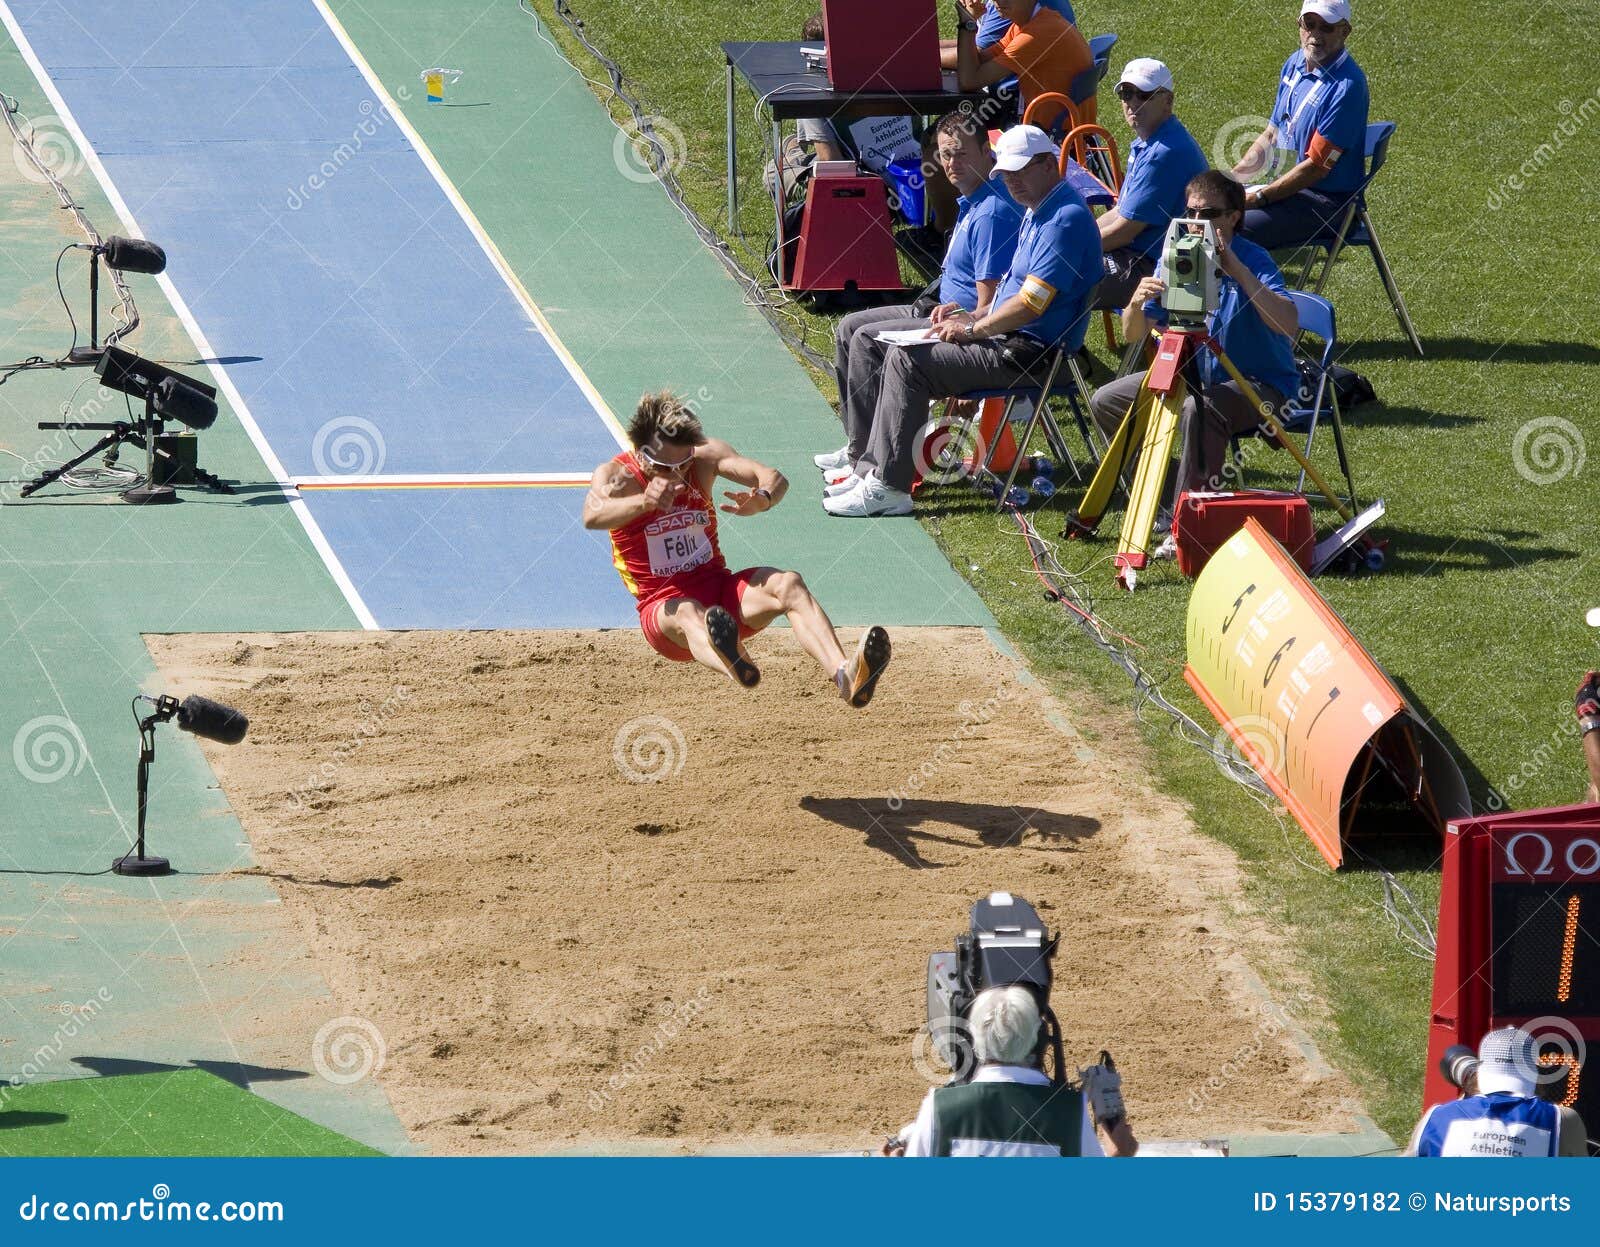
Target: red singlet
{"points": [[674, 554]]}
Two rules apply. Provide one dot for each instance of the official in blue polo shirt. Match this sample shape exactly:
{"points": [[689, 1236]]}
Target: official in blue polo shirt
{"points": [[1502, 1115], [1255, 323], [1043, 302], [980, 251], [1161, 161], [1313, 151]]}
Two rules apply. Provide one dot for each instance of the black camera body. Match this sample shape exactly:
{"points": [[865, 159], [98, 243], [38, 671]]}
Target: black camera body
{"points": [[1006, 944]]}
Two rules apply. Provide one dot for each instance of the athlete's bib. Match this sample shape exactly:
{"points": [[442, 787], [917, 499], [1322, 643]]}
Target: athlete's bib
{"points": [[678, 542]]}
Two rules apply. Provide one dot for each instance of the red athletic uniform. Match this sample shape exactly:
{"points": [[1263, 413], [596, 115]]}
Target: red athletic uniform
{"points": [[673, 553]]}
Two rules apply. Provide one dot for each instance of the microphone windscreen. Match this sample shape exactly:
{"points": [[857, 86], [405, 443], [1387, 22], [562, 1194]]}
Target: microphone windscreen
{"points": [[184, 403], [212, 720], [134, 255]]}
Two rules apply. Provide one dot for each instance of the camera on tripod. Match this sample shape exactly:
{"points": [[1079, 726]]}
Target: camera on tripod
{"points": [[1006, 944], [1191, 272]]}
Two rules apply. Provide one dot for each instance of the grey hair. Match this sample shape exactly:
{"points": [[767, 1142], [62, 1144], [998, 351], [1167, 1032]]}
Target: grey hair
{"points": [[1005, 1026]]}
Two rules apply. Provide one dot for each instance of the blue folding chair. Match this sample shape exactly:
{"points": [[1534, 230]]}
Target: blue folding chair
{"points": [[1088, 82], [1319, 394], [1071, 387], [1355, 229]]}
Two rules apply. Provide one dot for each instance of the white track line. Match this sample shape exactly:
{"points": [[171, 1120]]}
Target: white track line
{"points": [[263, 448], [443, 480], [574, 369]]}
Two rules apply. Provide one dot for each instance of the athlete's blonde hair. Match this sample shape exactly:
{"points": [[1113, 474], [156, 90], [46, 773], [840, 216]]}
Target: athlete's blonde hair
{"points": [[666, 416]]}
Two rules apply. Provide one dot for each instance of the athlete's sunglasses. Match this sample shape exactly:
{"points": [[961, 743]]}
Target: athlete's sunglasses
{"points": [[661, 465]]}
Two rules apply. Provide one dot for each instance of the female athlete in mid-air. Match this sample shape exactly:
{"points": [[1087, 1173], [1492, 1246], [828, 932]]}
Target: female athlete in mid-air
{"points": [[655, 501]]}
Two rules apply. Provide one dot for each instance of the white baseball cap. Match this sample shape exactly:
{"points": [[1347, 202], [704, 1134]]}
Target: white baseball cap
{"points": [[1146, 73], [1020, 144], [1509, 1061], [1330, 11]]}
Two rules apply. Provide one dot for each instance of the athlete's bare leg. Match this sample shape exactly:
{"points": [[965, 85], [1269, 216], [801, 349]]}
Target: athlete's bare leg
{"points": [[771, 592], [713, 642]]}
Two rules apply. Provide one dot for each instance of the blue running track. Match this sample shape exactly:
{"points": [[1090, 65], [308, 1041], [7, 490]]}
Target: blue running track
{"points": [[359, 319]]}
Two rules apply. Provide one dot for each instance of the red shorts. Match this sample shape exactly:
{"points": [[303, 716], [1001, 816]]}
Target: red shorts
{"points": [[710, 588]]}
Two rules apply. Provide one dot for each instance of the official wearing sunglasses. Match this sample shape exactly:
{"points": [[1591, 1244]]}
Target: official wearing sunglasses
{"points": [[1161, 160], [1254, 321], [1309, 162]]}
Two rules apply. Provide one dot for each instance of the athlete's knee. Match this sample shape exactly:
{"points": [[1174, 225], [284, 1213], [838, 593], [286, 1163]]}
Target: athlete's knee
{"points": [[789, 588]]}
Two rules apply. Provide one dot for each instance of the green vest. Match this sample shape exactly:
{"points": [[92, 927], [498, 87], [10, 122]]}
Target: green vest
{"points": [[1007, 1119]]}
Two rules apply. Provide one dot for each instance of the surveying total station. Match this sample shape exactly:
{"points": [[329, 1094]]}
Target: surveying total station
{"points": [[1192, 275]]}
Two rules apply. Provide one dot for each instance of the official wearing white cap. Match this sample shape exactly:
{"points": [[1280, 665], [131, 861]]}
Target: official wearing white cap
{"points": [[1161, 160], [1042, 303], [1504, 1117], [1310, 160]]}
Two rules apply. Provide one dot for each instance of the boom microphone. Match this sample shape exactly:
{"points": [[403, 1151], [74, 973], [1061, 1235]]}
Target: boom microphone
{"points": [[133, 255], [212, 720]]}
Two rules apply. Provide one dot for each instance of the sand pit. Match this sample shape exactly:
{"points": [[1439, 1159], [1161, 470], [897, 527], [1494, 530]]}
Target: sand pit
{"points": [[595, 901]]}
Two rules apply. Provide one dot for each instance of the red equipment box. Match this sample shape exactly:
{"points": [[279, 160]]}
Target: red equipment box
{"points": [[846, 238], [1203, 522], [1519, 945], [882, 45]]}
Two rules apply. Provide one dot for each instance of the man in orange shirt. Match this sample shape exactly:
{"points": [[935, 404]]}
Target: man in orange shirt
{"points": [[1042, 49]]}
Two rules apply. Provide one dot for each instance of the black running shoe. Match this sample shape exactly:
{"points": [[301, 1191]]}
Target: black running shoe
{"points": [[864, 668], [724, 630]]}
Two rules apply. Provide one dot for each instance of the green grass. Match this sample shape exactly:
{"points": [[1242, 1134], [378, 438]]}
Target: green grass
{"points": [[1480, 614], [171, 1113]]}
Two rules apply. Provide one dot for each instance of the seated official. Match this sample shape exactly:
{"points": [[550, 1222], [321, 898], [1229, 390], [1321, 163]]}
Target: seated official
{"points": [[1011, 1108], [1500, 1112], [1042, 302], [993, 24], [1161, 161], [1314, 149], [1255, 323], [980, 252], [1041, 49]]}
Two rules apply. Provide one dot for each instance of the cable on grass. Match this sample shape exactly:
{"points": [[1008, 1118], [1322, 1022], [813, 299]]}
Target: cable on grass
{"points": [[1410, 924]]}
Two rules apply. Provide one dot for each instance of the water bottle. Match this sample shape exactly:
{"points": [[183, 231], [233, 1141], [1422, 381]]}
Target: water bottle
{"points": [[1043, 487], [1043, 466], [1017, 497]]}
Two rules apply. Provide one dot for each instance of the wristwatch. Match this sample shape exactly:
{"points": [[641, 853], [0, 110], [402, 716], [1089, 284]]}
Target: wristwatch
{"points": [[762, 493], [1591, 723]]}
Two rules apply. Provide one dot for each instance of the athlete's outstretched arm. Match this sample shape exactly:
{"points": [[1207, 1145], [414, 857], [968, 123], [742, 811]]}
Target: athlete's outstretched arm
{"points": [[757, 478]]}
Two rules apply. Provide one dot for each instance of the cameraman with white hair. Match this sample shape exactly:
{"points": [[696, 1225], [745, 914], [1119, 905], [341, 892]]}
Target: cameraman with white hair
{"points": [[1010, 1107]]}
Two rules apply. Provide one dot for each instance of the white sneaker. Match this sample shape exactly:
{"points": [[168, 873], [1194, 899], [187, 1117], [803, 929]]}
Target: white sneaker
{"points": [[838, 476], [833, 460], [1168, 549], [844, 485], [871, 497]]}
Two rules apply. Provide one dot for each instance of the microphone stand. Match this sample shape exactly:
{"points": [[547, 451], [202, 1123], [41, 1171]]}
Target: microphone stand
{"points": [[136, 861], [91, 353]]}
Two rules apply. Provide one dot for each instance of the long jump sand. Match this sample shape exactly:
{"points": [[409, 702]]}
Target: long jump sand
{"points": [[596, 901]]}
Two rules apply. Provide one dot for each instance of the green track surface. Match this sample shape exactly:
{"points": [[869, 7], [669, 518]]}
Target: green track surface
{"points": [[200, 966], [178, 1113], [634, 295]]}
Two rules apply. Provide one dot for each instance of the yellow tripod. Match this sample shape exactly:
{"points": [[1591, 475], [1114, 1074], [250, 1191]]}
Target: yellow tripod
{"points": [[1148, 430]]}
